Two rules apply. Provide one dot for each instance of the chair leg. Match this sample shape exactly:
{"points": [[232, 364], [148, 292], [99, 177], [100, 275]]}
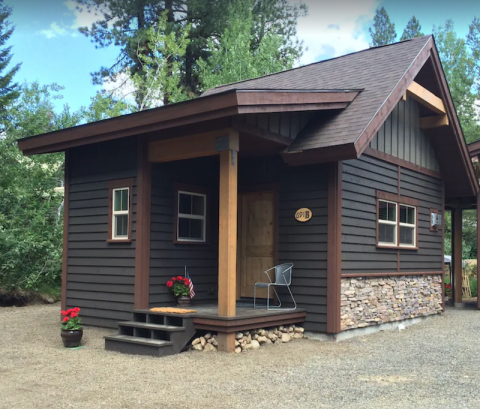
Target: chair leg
{"points": [[285, 309], [279, 300]]}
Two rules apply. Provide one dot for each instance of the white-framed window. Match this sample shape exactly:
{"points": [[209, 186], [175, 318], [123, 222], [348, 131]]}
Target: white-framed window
{"points": [[120, 213], [192, 216], [408, 225], [387, 223]]}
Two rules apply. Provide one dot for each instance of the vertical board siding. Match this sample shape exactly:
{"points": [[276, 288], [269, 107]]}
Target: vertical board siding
{"points": [[361, 179], [288, 124], [303, 244], [429, 192], [168, 259], [401, 136], [100, 275]]}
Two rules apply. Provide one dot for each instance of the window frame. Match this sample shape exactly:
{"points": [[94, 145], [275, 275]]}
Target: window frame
{"points": [[194, 191], [388, 222], [400, 224], [119, 184], [399, 201]]}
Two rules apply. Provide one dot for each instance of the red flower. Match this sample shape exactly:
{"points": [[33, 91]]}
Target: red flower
{"points": [[63, 312], [174, 279], [169, 284], [180, 278], [74, 314], [76, 310], [66, 319], [69, 311], [186, 281]]}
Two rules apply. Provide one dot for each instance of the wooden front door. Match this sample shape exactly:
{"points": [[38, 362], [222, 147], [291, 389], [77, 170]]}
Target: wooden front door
{"points": [[256, 241]]}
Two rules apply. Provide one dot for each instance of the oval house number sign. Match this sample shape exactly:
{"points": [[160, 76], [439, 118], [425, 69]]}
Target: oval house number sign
{"points": [[303, 215]]}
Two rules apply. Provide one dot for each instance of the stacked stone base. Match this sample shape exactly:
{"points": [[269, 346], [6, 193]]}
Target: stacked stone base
{"points": [[370, 301], [252, 339]]}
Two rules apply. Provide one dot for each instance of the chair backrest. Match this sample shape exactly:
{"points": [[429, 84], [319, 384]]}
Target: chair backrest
{"points": [[283, 274]]}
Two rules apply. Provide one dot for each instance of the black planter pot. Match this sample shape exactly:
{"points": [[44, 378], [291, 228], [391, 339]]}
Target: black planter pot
{"points": [[183, 301], [71, 338]]}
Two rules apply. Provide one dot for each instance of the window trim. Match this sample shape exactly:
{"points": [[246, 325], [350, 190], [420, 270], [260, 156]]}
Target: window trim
{"points": [[399, 201], [388, 222], [117, 185], [415, 227], [193, 190]]}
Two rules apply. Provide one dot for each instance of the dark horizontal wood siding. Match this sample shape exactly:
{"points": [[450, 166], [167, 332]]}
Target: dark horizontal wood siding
{"points": [[303, 244], [100, 275], [401, 136], [361, 179], [429, 191], [168, 259]]}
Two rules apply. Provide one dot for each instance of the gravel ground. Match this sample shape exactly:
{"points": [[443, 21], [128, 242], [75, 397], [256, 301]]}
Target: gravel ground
{"points": [[430, 365]]}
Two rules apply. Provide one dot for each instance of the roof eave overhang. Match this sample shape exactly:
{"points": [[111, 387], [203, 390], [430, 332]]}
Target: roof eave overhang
{"points": [[229, 103]]}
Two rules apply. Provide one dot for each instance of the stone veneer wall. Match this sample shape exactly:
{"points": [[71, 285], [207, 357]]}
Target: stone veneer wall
{"points": [[376, 300]]}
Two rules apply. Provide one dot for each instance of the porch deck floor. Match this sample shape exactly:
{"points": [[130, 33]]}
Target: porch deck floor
{"points": [[206, 318], [243, 312]]}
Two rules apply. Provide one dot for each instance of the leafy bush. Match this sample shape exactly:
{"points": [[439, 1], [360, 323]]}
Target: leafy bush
{"points": [[473, 286]]}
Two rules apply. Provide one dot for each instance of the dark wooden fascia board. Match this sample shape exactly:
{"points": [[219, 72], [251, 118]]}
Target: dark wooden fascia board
{"points": [[265, 109], [453, 118], [132, 131], [142, 242], [293, 97], [397, 93], [65, 229], [334, 247], [201, 109], [321, 155]]}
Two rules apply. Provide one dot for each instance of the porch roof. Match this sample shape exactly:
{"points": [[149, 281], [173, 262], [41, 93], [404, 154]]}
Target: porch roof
{"points": [[224, 104]]}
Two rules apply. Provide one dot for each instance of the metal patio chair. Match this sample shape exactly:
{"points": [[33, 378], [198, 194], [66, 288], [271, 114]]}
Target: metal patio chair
{"points": [[283, 277]]}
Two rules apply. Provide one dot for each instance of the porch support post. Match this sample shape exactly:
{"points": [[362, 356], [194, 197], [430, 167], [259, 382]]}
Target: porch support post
{"points": [[66, 186], [141, 298], [227, 248], [457, 255]]}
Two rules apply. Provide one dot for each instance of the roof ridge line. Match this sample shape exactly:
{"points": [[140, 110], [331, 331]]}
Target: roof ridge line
{"points": [[218, 87]]}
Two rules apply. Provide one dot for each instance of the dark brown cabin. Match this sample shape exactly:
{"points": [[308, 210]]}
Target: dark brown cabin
{"points": [[369, 143]]}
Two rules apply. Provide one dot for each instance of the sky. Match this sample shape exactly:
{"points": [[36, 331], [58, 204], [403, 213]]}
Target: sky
{"points": [[47, 42]]}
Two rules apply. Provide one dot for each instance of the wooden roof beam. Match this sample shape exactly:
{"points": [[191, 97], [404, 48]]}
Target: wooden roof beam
{"points": [[436, 121], [426, 98]]}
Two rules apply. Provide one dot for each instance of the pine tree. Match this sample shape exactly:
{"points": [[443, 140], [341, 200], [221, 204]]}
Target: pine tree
{"points": [[412, 30], [8, 89], [383, 30]]}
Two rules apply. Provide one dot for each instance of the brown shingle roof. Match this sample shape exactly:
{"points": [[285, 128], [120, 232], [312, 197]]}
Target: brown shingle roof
{"points": [[377, 71]]}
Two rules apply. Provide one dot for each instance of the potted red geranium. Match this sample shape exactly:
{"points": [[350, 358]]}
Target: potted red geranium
{"points": [[72, 330], [180, 287]]}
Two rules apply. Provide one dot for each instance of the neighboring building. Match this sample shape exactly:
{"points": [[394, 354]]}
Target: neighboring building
{"points": [[369, 142]]}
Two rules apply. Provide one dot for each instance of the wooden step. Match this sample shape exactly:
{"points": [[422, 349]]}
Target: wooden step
{"points": [[146, 325], [138, 346]]}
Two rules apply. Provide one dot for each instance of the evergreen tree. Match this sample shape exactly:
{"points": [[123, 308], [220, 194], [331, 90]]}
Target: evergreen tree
{"points": [[458, 63], [8, 89], [126, 23], [412, 30], [383, 30], [232, 58]]}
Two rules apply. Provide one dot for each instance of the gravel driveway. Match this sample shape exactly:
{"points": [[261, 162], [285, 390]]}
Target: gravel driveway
{"points": [[435, 364]]}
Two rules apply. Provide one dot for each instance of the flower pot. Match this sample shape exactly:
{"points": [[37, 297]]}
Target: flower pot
{"points": [[183, 301], [71, 338]]}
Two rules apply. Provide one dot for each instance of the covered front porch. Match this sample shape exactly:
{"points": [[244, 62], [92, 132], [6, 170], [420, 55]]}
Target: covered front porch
{"points": [[229, 187]]}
